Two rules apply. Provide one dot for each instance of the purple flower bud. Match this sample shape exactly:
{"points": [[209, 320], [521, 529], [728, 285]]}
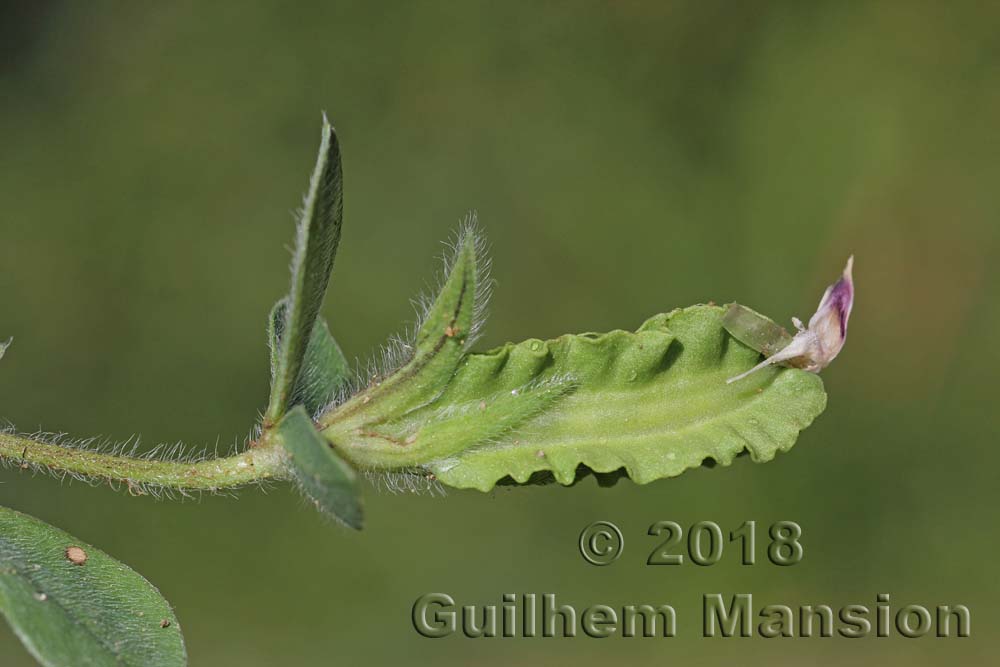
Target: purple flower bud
{"points": [[815, 346]]}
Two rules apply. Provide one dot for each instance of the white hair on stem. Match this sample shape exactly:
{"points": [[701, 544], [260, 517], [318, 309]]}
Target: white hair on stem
{"points": [[130, 448]]}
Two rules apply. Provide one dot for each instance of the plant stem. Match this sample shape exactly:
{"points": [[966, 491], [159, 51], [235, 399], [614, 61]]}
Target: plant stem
{"points": [[261, 462]]}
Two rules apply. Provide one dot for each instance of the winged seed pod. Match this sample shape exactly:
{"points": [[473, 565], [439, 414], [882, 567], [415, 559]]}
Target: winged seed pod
{"points": [[814, 347]]}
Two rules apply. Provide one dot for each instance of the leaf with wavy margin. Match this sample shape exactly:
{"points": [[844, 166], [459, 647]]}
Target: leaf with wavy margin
{"points": [[654, 403]]}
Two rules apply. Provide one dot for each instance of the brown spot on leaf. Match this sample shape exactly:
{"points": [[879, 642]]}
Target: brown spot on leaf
{"points": [[76, 555], [165, 623]]}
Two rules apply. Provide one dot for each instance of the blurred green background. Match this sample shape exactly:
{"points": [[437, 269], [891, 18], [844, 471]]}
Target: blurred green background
{"points": [[625, 158]]}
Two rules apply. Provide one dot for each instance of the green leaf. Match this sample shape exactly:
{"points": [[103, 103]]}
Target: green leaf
{"points": [[439, 345], [755, 330], [315, 249], [88, 611], [652, 402], [4, 346], [322, 476], [324, 371]]}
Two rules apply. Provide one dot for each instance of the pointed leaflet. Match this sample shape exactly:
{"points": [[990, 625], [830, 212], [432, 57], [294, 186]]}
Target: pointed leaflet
{"points": [[324, 369], [439, 346], [91, 610], [4, 346], [329, 482], [315, 249]]}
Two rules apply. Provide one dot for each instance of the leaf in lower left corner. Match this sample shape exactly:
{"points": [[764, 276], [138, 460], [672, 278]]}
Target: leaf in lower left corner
{"points": [[72, 604]]}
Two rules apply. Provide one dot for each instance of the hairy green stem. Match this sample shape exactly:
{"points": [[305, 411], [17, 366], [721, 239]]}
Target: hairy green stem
{"points": [[255, 464]]}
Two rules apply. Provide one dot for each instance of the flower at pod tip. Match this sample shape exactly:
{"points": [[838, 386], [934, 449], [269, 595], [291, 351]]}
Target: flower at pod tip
{"points": [[816, 345]]}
